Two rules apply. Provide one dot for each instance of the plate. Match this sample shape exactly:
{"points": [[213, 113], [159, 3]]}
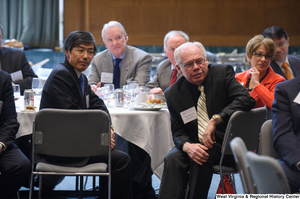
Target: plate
{"points": [[139, 108]]}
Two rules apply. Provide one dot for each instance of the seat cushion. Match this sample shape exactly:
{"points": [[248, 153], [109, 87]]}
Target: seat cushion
{"points": [[90, 168]]}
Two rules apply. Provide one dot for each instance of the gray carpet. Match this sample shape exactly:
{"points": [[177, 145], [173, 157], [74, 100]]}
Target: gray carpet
{"points": [[69, 184]]}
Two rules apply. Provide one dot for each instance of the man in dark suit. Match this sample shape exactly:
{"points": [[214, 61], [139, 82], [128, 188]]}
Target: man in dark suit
{"points": [[281, 58], [120, 62], [166, 70], [198, 129], [14, 62], [286, 129], [67, 88], [14, 166]]}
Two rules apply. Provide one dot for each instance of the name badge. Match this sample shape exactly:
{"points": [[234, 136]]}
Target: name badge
{"points": [[297, 99], [1, 104], [107, 77], [87, 100], [189, 115], [16, 75]]}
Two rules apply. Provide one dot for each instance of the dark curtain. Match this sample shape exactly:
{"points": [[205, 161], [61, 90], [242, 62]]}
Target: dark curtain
{"points": [[33, 22]]}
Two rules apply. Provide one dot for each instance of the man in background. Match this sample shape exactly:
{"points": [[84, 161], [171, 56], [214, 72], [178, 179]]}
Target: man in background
{"points": [[286, 65], [15, 168], [166, 73], [14, 62], [67, 88], [120, 62], [286, 129]]}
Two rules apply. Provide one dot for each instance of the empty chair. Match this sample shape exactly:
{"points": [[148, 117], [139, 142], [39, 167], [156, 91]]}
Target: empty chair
{"points": [[267, 174], [71, 134], [239, 151], [266, 141], [243, 124]]}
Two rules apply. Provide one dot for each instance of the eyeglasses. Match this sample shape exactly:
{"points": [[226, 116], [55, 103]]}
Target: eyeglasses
{"points": [[260, 55], [282, 44], [191, 64], [81, 51]]}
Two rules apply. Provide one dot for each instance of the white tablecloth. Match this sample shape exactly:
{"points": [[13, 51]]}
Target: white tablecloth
{"points": [[150, 130]]}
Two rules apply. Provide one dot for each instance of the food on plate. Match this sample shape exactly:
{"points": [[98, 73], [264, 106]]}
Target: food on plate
{"points": [[155, 101], [30, 108], [13, 44]]}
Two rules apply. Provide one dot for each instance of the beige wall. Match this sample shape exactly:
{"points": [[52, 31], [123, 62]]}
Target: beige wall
{"points": [[212, 22]]}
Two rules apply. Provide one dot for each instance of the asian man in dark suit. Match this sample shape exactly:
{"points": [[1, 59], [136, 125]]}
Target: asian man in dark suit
{"points": [[67, 88], [120, 62], [286, 65], [200, 104], [15, 168], [286, 129], [14, 62], [166, 73]]}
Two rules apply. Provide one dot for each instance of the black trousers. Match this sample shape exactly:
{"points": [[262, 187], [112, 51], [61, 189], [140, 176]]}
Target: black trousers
{"points": [[121, 167], [15, 171], [175, 175]]}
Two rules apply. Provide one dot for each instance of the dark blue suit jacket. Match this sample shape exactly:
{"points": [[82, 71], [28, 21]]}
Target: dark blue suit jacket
{"points": [[294, 63], [8, 117], [13, 60], [286, 121]]}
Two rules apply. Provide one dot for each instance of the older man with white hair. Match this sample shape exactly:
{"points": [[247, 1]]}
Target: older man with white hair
{"points": [[200, 104], [166, 72], [120, 62]]}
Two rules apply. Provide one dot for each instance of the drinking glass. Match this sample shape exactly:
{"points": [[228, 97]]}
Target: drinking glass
{"points": [[134, 88], [109, 95], [131, 82], [17, 92], [37, 87], [127, 96]]}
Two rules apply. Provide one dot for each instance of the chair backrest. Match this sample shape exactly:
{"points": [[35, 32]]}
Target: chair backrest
{"points": [[246, 125], [267, 174], [71, 133], [266, 140], [239, 151]]}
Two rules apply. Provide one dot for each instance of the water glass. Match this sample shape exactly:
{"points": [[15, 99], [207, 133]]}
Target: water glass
{"points": [[37, 87], [17, 92], [127, 96], [134, 88], [109, 95]]}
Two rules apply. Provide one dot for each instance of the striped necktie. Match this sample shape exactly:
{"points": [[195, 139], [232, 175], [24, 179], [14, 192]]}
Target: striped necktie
{"points": [[287, 71], [174, 77], [202, 115]]}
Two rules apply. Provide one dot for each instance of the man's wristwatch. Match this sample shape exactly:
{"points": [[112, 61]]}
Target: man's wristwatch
{"points": [[2, 146], [298, 165], [216, 118]]}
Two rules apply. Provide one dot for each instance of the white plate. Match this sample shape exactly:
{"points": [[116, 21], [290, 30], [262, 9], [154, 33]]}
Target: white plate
{"points": [[139, 108]]}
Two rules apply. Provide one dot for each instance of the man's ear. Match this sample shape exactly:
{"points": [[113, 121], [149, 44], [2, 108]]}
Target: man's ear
{"points": [[67, 54]]}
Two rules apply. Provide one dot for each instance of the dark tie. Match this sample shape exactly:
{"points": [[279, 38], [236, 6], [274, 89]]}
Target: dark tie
{"points": [[174, 77], [116, 75], [81, 80]]}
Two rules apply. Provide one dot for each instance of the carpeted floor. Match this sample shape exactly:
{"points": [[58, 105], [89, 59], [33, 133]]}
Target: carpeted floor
{"points": [[69, 184]]}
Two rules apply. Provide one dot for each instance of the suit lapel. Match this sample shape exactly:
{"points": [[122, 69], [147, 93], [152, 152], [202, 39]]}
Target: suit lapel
{"points": [[125, 66], [208, 93], [277, 69]]}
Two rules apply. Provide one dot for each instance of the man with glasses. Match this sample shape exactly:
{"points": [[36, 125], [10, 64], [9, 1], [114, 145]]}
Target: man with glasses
{"points": [[120, 62], [286, 65], [67, 88], [200, 104]]}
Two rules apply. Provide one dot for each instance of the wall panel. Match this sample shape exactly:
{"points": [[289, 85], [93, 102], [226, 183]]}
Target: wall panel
{"points": [[213, 22]]}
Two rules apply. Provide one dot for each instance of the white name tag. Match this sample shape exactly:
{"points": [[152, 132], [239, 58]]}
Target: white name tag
{"points": [[107, 77], [16, 75], [87, 100], [189, 115], [1, 104], [297, 99]]}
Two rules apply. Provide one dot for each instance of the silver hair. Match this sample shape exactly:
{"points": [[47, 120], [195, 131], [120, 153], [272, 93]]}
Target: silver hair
{"points": [[179, 49], [113, 24], [173, 33]]}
